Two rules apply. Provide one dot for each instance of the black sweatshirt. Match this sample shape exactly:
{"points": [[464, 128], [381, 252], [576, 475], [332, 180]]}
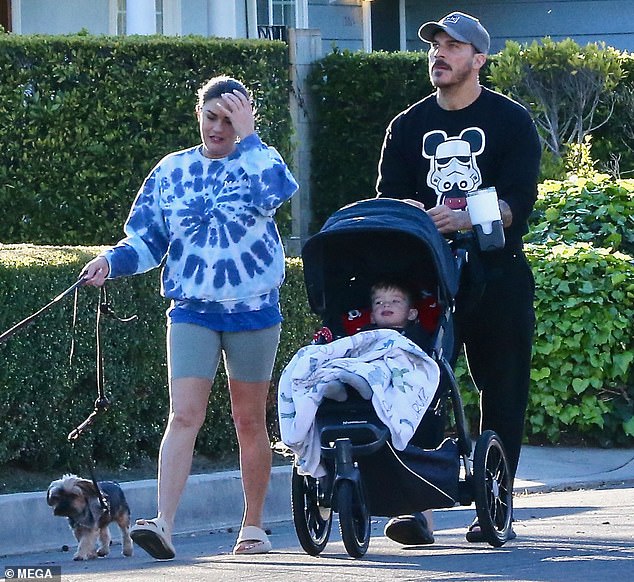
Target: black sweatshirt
{"points": [[437, 156]]}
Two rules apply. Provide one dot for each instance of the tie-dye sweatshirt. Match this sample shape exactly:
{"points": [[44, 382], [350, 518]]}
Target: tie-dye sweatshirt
{"points": [[211, 222]]}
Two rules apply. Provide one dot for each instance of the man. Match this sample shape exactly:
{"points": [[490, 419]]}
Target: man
{"points": [[458, 139]]}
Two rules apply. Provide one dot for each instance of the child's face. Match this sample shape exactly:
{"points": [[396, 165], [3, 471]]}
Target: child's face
{"points": [[391, 308]]}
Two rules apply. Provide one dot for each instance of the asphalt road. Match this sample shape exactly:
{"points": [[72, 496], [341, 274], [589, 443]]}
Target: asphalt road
{"points": [[573, 535]]}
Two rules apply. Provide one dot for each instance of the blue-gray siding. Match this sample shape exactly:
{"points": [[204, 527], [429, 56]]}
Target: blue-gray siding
{"points": [[610, 21]]}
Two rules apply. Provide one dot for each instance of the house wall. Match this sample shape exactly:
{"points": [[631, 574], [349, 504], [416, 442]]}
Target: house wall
{"points": [[340, 23], [64, 16], [194, 18], [70, 16], [585, 21]]}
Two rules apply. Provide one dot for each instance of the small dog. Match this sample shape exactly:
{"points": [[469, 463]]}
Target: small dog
{"points": [[78, 500]]}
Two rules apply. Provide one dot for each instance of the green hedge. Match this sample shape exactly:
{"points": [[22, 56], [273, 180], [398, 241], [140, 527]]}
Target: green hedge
{"points": [[356, 95], [85, 118], [598, 211], [43, 396], [583, 378]]}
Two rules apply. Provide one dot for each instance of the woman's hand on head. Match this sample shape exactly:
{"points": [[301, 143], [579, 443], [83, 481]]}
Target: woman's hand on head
{"points": [[237, 107], [95, 272]]}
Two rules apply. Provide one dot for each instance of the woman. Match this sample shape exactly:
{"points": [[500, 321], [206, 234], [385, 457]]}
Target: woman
{"points": [[207, 213]]}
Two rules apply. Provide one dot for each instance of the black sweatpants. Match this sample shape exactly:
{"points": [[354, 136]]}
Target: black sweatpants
{"points": [[497, 333]]}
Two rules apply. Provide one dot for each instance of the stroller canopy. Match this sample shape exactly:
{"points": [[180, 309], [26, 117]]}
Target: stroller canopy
{"points": [[372, 239]]}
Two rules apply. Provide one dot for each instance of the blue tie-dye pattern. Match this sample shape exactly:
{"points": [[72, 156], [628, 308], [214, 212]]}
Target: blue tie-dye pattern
{"points": [[220, 217], [250, 265], [233, 274], [176, 249], [236, 231], [227, 198], [226, 271], [273, 233], [177, 175], [179, 190], [248, 219], [224, 240], [129, 260], [260, 251], [194, 267], [196, 220], [142, 217], [213, 237], [216, 219], [196, 169]]}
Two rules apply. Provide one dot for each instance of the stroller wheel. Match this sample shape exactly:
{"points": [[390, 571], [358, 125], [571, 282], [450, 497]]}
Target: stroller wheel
{"points": [[492, 489], [354, 518], [312, 521]]}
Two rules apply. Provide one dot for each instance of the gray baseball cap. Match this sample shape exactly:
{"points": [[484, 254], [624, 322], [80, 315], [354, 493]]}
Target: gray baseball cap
{"points": [[460, 26]]}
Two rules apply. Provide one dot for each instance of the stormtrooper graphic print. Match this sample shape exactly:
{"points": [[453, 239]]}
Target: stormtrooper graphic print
{"points": [[453, 165]]}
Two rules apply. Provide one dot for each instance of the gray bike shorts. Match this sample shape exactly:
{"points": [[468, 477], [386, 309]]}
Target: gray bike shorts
{"points": [[194, 351]]}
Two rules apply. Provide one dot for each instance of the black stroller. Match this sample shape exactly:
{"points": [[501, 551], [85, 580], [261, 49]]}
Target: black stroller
{"points": [[366, 476]]}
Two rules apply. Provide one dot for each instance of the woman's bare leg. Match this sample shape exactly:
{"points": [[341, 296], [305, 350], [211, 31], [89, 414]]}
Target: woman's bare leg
{"points": [[188, 406], [248, 405]]}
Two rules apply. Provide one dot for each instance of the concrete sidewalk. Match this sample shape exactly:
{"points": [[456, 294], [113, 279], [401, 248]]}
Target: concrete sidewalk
{"points": [[214, 501]]}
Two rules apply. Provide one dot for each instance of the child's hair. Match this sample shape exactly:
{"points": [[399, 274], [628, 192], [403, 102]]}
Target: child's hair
{"points": [[215, 87], [393, 283]]}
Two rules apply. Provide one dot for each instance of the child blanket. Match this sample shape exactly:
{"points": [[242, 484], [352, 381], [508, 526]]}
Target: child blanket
{"points": [[386, 367]]}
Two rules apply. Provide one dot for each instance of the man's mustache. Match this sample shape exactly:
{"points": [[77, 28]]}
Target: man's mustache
{"points": [[441, 63]]}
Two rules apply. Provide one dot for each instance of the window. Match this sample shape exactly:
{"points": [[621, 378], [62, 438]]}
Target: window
{"points": [[158, 7], [278, 12], [121, 16], [5, 14]]}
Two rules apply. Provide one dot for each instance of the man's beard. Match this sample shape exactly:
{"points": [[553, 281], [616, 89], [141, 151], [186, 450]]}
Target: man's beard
{"points": [[456, 77]]}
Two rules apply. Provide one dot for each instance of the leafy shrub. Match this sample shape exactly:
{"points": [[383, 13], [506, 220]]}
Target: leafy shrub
{"points": [[568, 88], [583, 351], [584, 344], [598, 211], [582, 379]]}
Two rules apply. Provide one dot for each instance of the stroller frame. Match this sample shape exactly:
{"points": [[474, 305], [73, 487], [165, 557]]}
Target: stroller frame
{"points": [[485, 476]]}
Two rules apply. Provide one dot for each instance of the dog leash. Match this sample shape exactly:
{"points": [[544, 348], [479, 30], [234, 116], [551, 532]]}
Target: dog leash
{"points": [[102, 403], [26, 321]]}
